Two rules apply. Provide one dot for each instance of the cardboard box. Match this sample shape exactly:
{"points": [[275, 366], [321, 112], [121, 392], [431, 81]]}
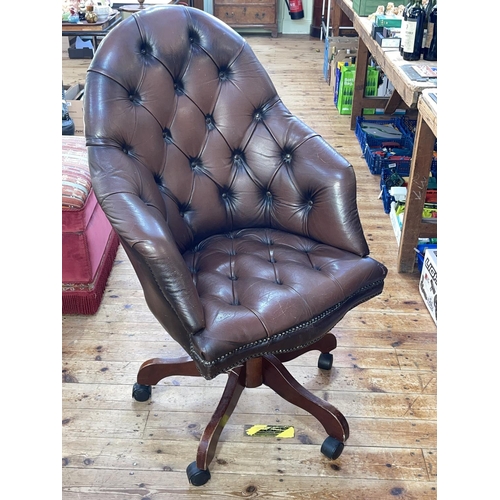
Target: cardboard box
{"points": [[376, 29], [391, 32], [428, 282], [388, 21], [74, 98], [387, 43], [344, 56], [83, 53], [333, 46]]}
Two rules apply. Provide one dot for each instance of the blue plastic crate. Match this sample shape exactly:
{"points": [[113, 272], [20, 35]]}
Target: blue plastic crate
{"points": [[366, 133], [400, 133], [409, 126], [385, 186], [386, 173], [387, 199], [420, 251], [378, 164]]}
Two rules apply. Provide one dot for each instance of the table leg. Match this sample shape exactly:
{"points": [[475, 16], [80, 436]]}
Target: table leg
{"points": [[336, 17], [415, 198], [359, 82]]}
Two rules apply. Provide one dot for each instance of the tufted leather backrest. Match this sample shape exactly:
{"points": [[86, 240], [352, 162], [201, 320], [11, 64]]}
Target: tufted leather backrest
{"points": [[200, 135], [188, 138]]}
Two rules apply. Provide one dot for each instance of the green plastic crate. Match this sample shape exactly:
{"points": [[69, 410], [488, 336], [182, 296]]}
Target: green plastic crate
{"points": [[364, 8], [346, 88]]}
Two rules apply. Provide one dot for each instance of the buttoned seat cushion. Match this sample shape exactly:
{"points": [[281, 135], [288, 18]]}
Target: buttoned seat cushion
{"points": [[261, 286]]}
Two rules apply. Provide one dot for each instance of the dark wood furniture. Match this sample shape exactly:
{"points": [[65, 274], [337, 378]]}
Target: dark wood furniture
{"points": [[248, 14], [95, 31]]}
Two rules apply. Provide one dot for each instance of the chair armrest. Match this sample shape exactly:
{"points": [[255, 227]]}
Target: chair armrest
{"points": [[316, 189], [144, 233]]}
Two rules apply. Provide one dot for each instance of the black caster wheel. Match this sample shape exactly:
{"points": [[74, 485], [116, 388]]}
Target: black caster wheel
{"points": [[325, 361], [141, 392], [332, 448], [197, 477]]}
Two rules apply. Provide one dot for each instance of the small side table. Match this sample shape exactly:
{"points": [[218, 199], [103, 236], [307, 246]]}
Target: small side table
{"points": [[94, 31]]}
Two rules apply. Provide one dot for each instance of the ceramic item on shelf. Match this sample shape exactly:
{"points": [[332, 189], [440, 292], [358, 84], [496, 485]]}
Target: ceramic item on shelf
{"points": [[81, 10], [73, 15], [102, 10], [90, 16]]}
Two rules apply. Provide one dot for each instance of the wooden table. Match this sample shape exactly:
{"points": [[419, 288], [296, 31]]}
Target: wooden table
{"points": [[407, 91], [409, 94], [91, 30], [413, 225]]}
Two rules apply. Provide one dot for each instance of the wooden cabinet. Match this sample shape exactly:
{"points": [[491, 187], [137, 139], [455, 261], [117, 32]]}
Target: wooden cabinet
{"points": [[248, 14]]}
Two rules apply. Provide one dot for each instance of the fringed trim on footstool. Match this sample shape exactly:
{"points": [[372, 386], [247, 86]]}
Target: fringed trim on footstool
{"points": [[85, 298]]}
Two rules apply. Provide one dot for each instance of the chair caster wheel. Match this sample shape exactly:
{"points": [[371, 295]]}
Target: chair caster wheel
{"points": [[141, 392], [197, 477], [332, 448], [325, 361]]}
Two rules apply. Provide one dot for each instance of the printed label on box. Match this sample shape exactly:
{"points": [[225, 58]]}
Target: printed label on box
{"points": [[428, 282]]}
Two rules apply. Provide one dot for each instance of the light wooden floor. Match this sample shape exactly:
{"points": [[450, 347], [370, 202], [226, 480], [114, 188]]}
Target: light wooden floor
{"points": [[384, 380]]}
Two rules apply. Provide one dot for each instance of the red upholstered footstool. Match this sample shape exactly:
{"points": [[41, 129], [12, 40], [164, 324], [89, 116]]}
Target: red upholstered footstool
{"points": [[89, 244]]}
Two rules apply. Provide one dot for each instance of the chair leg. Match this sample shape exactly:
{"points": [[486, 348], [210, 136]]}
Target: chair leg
{"points": [[198, 473], [156, 369], [227, 404], [278, 378]]}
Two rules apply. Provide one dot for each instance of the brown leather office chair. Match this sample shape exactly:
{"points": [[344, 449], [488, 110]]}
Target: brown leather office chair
{"points": [[240, 221]]}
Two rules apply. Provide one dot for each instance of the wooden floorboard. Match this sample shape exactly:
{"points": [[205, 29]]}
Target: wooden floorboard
{"points": [[384, 376]]}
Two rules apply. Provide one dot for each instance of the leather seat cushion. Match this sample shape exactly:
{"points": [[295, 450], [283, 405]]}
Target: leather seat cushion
{"points": [[255, 285]]}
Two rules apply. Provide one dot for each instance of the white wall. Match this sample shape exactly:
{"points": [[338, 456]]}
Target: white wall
{"points": [[289, 26]]}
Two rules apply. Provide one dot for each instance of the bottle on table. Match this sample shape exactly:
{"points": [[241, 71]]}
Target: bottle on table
{"points": [[414, 19], [403, 26], [430, 45]]}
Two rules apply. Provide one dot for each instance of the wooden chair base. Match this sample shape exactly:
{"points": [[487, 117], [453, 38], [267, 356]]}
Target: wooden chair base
{"points": [[268, 370]]}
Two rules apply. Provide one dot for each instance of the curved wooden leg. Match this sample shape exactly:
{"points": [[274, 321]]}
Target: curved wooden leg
{"points": [[325, 344], [156, 369], [229, 399], [278, 378]]}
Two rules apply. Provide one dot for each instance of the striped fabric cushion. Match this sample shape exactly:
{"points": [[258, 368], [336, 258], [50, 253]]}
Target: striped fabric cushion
{"points": [[76, 183]]}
